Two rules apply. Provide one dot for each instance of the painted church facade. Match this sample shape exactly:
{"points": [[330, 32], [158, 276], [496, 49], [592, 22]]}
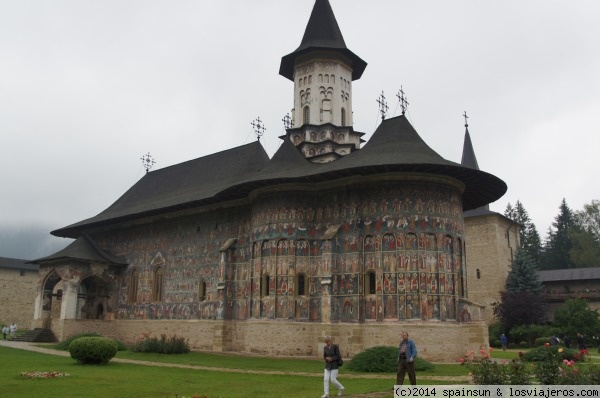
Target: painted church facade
{"points": [[238, 252]]}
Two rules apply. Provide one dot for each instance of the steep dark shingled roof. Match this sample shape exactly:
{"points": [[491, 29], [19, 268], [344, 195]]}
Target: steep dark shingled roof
{"points": [[322, 33], [198, 180], [84, 249], [394, 147]]}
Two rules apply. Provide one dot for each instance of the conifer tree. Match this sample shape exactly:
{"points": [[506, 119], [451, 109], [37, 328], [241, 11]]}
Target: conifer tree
{"points": [[559, 243], [523, 276], [530, 240], [522, 303]]}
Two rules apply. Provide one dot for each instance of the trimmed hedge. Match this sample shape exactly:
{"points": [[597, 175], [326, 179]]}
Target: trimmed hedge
{"points": [[93, 350]]}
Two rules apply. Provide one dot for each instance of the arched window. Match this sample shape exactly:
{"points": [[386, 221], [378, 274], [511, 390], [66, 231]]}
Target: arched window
{"points": [[264, 285], [301, 285], [370, 282], [202, 290], [157, 288], [133, 286], [478, 274], [343, 117], [306, 115]]}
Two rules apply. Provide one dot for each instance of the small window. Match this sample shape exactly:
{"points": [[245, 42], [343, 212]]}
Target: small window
{"points": [[306, 115], [264, 285], [370, 282], [343, 117], [157, 288], [133, 286], [202, 291], [300, 285], [478, 274]]}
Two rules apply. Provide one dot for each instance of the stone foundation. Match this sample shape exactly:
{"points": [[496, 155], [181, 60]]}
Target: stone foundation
{"points": [[436, 341]]}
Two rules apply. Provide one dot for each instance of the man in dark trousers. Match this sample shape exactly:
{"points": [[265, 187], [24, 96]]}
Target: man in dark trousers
{"points": [[407, 353]]}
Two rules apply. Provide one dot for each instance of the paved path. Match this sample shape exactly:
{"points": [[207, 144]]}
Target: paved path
{"points": [[38, 348]]}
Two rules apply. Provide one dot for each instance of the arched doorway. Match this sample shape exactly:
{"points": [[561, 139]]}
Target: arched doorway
{"points": [[51, 299], [93, 296]]}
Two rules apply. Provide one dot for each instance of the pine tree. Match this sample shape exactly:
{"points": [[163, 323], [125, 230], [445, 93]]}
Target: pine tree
{"points": [[523, 276], [559, 243], [530, 240], [522, 303]]}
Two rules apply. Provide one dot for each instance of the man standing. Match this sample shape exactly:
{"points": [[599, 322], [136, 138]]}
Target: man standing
{"points": [[503, 341], [13, 330], [407, 352], [331, 354]]}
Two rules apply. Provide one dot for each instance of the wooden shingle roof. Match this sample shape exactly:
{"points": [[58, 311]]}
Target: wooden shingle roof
{"points": [[233, 174]]}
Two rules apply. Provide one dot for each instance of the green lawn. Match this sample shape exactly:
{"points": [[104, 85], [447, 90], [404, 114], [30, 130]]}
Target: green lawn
{"points": [[121, 380]]}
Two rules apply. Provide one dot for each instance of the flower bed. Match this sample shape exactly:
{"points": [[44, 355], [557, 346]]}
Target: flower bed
{"points": [[44, 375]]}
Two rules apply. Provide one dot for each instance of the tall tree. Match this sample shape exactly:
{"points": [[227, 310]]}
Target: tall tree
{"points": [[559, 244], [530, 240], [523, 276], [588, 219], [585, 251], [522, 303]]}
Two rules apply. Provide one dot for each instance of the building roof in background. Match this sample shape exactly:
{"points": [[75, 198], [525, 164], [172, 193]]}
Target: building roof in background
{"points": [[569, 274], [17, 263]]}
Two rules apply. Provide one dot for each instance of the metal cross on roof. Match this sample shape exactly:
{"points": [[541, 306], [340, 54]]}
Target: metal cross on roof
{"points": [[383, 107], [259, 128], [147, 161], [466, 117], [287, 121], [402, 98]]}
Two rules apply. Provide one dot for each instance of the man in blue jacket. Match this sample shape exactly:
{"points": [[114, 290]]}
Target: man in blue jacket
{"points": [[407, 353]]}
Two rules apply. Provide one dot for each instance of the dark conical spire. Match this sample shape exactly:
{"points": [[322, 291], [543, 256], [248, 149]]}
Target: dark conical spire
{"points": [[468, 157], [322, 33]]}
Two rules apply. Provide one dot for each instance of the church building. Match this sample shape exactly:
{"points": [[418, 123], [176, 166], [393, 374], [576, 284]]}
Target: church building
{"points": [[239, 252]]}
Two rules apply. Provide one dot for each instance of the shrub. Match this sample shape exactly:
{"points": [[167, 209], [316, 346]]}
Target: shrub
{"points": [[539, 354], [382, 359], [164, 345], [93, 350], [64, 345]]}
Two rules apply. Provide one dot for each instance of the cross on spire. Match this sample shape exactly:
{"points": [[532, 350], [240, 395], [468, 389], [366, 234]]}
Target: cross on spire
{"points": [[259, 128], [147, 161], [383, 107], [466, 117], [287, 121], [402, 98]]}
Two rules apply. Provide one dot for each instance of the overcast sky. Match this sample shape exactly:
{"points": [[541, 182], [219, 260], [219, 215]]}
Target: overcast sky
{"points": [[88, 87]]}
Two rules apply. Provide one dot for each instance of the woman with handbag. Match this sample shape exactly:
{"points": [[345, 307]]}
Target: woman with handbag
{"points": [[333, 360]]}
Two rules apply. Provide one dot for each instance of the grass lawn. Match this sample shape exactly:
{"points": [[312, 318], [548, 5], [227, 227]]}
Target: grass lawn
{"points": [[121, 380]]}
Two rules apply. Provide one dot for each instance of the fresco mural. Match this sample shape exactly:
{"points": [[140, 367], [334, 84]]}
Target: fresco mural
{"points": [[394, 253]]}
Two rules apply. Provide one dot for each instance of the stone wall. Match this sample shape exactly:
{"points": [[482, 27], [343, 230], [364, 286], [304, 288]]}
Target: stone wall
{"points": [[436, 341], [491, 241], [17, 296]]}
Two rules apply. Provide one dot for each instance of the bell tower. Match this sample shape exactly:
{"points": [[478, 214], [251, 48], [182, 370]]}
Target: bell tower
{"points": [[323, 69]]}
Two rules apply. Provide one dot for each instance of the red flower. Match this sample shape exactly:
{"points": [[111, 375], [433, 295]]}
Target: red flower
{"points": [[547, 344]]}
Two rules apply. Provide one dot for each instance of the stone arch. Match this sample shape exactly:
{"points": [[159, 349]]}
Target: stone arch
{"points": [[49, 306], [93, 298]]}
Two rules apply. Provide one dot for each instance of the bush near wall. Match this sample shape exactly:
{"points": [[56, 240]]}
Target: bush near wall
{"points": [[93, 350]]}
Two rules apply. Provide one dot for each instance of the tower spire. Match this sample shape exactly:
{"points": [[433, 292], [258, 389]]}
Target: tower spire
{"points": [[468, 155], [322, 69]]}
